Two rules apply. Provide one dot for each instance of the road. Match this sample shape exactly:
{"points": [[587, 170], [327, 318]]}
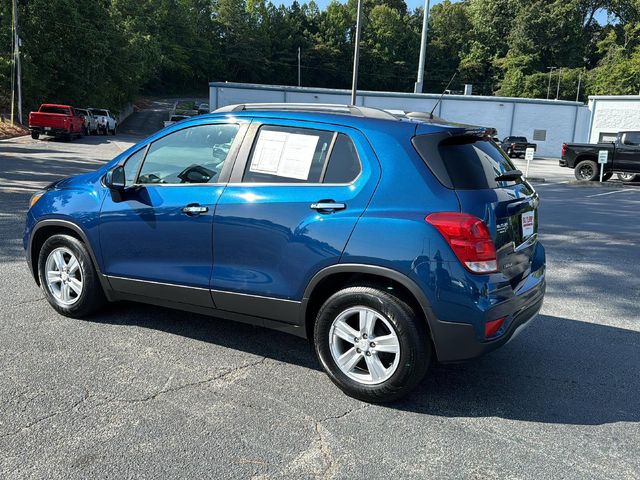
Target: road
{"points": [[146, 392]]}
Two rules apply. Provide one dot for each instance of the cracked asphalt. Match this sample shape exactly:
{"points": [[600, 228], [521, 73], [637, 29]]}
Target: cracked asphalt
{"points": [[146, 392]]}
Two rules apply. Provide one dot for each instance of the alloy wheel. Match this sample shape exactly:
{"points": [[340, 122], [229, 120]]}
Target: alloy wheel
{"points": [[586, 172], [64, 276], [364, 345]]}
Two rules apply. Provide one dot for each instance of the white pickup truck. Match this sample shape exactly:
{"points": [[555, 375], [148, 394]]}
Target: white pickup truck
{"points": [[106, 121]]}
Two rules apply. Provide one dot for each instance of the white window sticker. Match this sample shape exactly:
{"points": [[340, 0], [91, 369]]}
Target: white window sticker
{"points": [[284, 154]]}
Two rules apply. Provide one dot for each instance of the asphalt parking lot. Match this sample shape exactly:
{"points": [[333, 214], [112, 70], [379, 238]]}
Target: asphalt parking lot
{"points": [[146, 392]]}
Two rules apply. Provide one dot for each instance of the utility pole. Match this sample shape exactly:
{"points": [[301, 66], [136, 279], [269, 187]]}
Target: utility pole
{"points": [[423, 48], [578, 92], [13, 58], [356, 55], [559, 76], [18, 69], [16, 83], [299, 76], [551, 69]]}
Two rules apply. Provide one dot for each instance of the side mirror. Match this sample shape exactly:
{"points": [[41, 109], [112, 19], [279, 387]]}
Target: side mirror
{"points": [[115, 178]]}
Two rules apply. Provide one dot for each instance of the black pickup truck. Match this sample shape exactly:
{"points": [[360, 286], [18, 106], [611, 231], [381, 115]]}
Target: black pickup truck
{"points": [[516, 146], [623, 158]]}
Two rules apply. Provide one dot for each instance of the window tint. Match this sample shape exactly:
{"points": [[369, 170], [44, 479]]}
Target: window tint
{"points": [[191, 155], [96, 111], [58, 110], [288, 155], [465, 162], [632, 138], [132, 165], [344, 165]]}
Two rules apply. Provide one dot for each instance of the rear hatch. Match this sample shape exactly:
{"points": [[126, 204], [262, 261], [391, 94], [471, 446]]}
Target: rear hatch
{"points": [[473, 165]]}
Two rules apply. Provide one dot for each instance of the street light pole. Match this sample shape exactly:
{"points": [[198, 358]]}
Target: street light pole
{"points": [[423, 48], [579, 82], [559, 76], [299, 76], [356, 55], [551, 69]]}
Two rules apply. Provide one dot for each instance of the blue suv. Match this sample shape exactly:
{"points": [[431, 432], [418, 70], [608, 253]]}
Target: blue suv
{"points": [[389, 241]]}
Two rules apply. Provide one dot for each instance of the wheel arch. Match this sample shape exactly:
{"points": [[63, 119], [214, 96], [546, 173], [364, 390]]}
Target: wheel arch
{"points": [[47, 228], [331, 279]]}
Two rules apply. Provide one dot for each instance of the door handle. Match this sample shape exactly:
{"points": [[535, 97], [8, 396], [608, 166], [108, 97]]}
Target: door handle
{"points": [[194, 209], [328, 206]]}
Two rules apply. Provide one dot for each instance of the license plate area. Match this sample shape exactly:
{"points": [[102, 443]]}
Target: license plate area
{"points": [[46, 129], [527, 221]]}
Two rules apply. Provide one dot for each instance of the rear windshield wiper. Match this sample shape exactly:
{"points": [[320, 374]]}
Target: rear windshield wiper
{"points": [[510, 175]]}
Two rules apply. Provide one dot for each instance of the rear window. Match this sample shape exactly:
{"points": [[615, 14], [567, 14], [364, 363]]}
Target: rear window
{"points": [[104, 113], [464, 162], [58, 110], [517, 139]]}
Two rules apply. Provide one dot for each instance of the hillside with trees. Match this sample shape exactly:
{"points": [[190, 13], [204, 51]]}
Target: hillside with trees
{"points": [[105, 52]]}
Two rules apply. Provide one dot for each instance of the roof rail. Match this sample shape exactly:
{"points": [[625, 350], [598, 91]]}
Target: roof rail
{"points": [[366, 112]]}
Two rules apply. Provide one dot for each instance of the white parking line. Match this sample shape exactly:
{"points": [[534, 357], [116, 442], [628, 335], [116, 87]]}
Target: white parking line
{"points": [[609, 193], [550, 183]]}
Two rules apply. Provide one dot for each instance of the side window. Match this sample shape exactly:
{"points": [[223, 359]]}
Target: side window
{"points": [[631, 139], [344, 165], [288, 155], [191, 155], [132, 165]]}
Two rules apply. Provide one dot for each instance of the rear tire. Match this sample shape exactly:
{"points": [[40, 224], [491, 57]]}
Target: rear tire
{"points": [[373, 372], [627, 177], [35, 135], [68, 277], [586, 170]]}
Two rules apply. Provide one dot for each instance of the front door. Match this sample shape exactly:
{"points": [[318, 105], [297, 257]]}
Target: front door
{"points": [[158, 232], [295, 195], [627, 155]]}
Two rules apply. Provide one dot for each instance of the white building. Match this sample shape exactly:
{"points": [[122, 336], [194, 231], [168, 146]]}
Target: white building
{"points": [[548, 123], [612, 114]]}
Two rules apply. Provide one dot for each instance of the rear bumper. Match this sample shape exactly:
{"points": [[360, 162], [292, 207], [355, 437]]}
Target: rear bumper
{"points": [[562, 162], [457, 341], [51, 131]]}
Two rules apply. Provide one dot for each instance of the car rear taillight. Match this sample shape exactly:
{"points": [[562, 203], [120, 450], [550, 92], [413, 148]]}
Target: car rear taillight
{"points": [[469, 238], [513, 145], [492, 327], [564, 150]]}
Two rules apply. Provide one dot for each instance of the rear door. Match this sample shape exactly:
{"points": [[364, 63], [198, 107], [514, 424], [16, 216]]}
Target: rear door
{"points": [[470, 163], [295, 195]]}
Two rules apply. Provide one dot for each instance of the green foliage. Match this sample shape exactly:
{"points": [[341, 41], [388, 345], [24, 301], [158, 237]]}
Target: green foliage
{"points": [[105, 52]]}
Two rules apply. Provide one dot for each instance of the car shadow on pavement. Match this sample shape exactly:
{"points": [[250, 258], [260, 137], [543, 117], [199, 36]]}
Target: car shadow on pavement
{"points": [[557, 371]]}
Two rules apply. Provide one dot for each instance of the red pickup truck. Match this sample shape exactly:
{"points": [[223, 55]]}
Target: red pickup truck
{"points": [[55, 120]]}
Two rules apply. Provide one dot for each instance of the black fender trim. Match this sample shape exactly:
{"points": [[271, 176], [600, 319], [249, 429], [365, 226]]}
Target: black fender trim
{"points": [[373, 270], [58, 222]]}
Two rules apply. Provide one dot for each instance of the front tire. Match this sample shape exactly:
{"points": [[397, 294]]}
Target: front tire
{"points": [[627, 177], [586, 170], [372, 345], [68, 278]]}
